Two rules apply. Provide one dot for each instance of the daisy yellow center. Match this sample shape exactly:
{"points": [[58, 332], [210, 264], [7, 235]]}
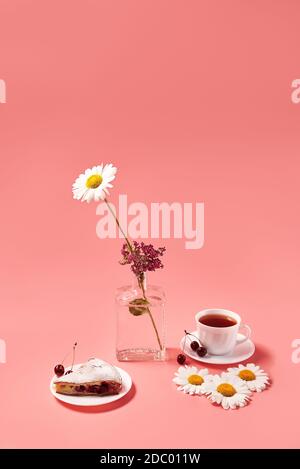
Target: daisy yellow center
{"points": [[247, 375], [93, 181], [226, 390], [195, 379]]}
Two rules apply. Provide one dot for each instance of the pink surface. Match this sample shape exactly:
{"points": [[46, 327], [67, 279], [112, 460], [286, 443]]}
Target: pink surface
{"points": [[191, 101]]}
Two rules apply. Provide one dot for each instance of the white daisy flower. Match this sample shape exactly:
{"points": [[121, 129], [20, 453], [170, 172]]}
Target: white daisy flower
{"points": [[253, 376], [190, 380], [228, 391], [93, 184]]}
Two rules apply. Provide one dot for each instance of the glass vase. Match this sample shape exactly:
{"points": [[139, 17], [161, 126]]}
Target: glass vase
{"points": [[140, 312]]}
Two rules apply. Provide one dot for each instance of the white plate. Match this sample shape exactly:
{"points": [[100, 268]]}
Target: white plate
{"points": [[240, 353], [94, 400]]}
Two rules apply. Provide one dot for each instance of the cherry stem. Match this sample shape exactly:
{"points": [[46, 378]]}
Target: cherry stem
{"points": [[62, 362], [74, 347], [183, 348], [188, 333]]}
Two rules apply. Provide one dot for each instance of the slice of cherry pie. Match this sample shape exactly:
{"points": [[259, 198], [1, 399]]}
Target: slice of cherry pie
{"points": [[95, 377]]}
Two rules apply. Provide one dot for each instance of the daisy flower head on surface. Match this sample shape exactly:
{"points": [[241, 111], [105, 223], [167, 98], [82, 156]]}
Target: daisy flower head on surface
{"points": [[191, 380], [253, 376], [94, 183], [228, 391]]}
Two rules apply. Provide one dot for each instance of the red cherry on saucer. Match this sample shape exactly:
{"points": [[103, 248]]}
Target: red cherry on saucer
{"points": [[59, 370], [202, 351], [194, 345]]}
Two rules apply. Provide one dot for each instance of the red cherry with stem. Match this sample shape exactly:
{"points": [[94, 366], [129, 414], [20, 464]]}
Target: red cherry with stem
{"points": [[59, 370], [196, 345]]}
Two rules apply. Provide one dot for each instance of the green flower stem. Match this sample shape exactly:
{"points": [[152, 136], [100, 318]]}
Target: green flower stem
{"points": [[151, 317], [119, 226]]}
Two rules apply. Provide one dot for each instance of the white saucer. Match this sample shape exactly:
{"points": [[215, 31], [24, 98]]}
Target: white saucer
{"points": [[239, 354], [94, 400]]}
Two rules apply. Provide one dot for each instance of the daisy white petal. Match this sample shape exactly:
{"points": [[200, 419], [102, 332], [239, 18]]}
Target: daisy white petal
{"points": [[255, 378], [93, 184], [191, 380], [228, 390]]}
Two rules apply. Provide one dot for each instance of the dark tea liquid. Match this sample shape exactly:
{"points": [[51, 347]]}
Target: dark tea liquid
{"points": [[217, 320]]}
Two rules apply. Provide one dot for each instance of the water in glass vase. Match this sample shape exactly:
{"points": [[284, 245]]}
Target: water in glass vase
{"points": [[140, 322]]}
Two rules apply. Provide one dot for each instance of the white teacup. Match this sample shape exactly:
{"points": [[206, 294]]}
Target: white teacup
{"points": [[221, 340]]}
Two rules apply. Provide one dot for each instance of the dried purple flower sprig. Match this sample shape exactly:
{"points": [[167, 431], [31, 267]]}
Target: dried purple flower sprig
{"points": [[142, 257]]}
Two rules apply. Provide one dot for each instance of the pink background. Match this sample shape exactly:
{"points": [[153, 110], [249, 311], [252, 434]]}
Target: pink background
{"points": [[191, 101]]}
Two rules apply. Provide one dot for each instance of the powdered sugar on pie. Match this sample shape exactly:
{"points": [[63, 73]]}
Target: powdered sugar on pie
{"points": [[93, 370]]}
